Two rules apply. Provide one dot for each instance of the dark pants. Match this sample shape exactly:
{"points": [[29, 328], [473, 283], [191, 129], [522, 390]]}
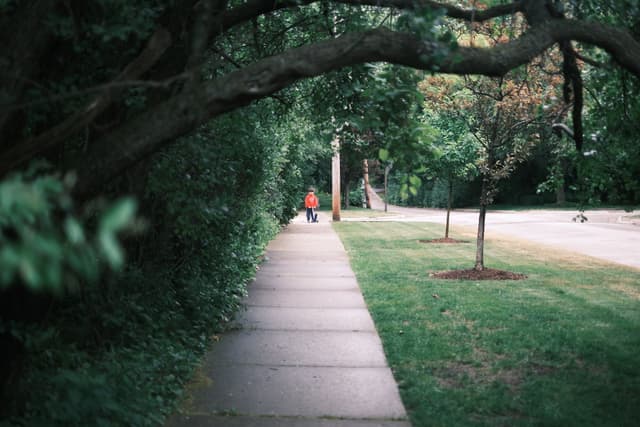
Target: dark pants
{"points": [[311, 215]]}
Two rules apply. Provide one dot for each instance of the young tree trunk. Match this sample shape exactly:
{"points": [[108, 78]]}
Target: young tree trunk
{"points": [[365, 166], [386, 186], [484, 196], [561, 196], [335, 180], [480, 240], [449, 202]]}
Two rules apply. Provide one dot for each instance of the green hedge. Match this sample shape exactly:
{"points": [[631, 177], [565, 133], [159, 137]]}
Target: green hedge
{"points": [[118, 353]]}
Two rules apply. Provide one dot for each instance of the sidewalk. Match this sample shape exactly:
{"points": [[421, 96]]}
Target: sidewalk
{"points": [[306, 352]]}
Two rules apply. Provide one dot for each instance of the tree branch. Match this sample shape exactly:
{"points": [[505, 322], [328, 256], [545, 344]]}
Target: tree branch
{"points": [[23, 43], [26, 150], [253, 8], [202, 28], [145, 134], [590, 61]]}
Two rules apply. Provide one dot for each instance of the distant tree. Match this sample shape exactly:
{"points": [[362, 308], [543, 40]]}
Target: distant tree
{"points": [[455, 156]]}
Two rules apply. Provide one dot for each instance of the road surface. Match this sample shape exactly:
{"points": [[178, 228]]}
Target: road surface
{"points": [[609, 234]]}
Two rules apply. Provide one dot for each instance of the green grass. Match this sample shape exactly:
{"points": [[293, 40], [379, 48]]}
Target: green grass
{"points": [[352, 212], [561, 348], [363, 213]]}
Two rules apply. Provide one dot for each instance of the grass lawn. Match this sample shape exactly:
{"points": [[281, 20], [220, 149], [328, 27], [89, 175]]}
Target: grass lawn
{"points": [[561, 348], [364, 213]]}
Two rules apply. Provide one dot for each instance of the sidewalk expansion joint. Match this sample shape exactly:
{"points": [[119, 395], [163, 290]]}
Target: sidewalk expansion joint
{"points": [[303, 289], [302, 276], [342, 331], [234, 413], [305, 308], [275, 367]]}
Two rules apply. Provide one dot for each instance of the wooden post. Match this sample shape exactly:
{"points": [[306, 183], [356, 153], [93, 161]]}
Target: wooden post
{"points": [[335, 181], [365, 166]]}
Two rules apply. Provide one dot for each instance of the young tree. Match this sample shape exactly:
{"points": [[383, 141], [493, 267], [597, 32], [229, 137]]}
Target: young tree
{"points": [[455, 157], [500, 118], [500, 112]]}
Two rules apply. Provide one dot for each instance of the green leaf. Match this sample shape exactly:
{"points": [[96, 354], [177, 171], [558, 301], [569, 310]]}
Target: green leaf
{"points": [[111, 249], [118, 216], [415, 181], [74, 231], [383, 154], [29, 273]]}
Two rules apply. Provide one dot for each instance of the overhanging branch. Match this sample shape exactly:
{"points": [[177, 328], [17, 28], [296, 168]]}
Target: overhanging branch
{"points": [[150, 131], [254, 8], [26, 150]]}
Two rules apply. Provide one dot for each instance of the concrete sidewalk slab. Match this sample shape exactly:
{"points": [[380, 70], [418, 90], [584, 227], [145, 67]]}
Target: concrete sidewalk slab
{"points": [[297, 348], [300, 391], [308, 319], [266, 421], [304, 270], [275, 282], [305, 298], [305, 352]]}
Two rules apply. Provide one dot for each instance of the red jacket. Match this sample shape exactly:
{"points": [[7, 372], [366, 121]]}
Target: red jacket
{"points": [[311, 201]]}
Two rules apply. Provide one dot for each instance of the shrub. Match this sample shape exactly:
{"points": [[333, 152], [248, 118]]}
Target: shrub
{"points": [[119, 352]]}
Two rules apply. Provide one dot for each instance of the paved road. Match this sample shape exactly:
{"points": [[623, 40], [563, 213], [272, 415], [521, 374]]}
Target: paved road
{"points": [[612, 235]]}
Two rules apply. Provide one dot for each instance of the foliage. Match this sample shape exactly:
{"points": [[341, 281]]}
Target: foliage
{"points": [[435, 193], [94, 42], [394, 119], [120, 353], [45, 245], [558, 348], [356, 196], [609, 170]]}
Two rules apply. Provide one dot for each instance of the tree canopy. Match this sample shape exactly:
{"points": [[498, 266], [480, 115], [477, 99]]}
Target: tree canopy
{"points": [[134, 77]]}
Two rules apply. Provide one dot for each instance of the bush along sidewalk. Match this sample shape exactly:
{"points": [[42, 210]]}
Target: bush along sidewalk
{"points": [[117, 350]]}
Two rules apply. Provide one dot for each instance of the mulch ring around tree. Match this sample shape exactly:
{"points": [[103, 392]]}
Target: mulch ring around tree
{"points": [[472, 274], [443, 240]]}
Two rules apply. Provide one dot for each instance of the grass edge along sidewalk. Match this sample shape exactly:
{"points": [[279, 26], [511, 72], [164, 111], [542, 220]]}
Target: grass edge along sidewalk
{"points": [[561, 348]]}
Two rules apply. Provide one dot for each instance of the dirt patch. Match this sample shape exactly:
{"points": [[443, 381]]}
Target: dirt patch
{"points": [[472, 274], [457, 375], [543, 370], [443, 240]]}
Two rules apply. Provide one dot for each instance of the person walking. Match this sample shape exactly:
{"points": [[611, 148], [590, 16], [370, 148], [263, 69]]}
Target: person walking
{"points": [[311, 203]]}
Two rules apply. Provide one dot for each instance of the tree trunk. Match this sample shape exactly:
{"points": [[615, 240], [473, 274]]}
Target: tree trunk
{"points": [[25, 43], [480, 240], [561, 196], [365, 166], [335, 180], [449, 202], [386, 186], [484, 201]]}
